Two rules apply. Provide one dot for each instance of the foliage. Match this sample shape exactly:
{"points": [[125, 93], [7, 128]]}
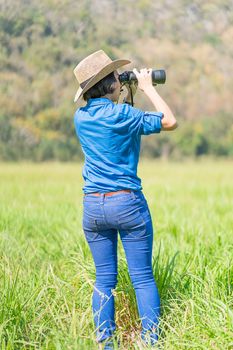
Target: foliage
{"points": [[41, 42]]}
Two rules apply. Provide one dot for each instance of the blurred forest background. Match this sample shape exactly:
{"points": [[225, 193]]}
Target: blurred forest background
{"points": [[42, 41]]}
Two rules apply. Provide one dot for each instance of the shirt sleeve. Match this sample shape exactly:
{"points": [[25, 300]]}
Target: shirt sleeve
{"points": [[145, 123], [139, 122], [150, 123]]}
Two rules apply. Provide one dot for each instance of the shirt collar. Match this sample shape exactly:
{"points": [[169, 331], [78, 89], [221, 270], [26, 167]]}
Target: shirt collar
{"points": [[98, 101]]}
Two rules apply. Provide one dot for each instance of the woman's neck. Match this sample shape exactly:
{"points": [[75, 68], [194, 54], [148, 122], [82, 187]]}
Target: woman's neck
{"points": [[110, 97]]}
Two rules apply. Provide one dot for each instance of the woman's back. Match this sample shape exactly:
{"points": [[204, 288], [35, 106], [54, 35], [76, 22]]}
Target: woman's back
{"points": [[110, 136]]}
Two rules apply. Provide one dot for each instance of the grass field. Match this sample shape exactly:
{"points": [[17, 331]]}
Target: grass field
{"points": [[47, 271]]}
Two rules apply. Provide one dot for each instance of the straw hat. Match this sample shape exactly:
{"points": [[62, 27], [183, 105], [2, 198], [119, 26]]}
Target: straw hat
{"points": [[93, 68]]}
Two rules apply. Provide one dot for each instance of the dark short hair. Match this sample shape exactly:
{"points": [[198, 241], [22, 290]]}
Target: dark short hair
{"points": [[103, 87]]}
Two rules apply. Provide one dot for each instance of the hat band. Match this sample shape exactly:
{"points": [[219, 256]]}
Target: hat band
{"points": [[84, 83]]}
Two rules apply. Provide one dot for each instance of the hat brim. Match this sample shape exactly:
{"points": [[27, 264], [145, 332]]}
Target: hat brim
{"points": [[100, 75]]}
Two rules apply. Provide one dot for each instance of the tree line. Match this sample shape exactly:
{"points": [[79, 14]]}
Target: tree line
{"points": [[41, 42]]}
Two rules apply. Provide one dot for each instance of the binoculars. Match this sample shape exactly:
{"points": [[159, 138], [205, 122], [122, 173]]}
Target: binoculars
{"points": [[158, 77]]}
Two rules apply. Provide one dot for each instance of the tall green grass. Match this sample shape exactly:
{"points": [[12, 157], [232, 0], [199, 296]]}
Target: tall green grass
{"points": [[47, 273]]}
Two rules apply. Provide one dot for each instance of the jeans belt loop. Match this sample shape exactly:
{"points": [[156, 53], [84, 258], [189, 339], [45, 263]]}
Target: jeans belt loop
{"points": [[133, 194], [102, 198]]}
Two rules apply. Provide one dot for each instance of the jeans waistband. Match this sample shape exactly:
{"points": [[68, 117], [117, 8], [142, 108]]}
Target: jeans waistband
{"points": [[106, 193], [115, 197]]}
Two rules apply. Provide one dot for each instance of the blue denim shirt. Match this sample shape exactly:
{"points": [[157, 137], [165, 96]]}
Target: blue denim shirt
{"points": [[110, 136]]}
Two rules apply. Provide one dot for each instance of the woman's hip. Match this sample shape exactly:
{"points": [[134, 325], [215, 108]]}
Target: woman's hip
{"points": [[125, 211]]}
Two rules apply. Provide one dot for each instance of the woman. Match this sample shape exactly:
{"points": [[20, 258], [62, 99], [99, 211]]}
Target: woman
{"points": [[110, 136]]}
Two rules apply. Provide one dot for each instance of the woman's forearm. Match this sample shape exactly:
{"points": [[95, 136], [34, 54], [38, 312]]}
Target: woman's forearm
{"points": [[169, 121]]}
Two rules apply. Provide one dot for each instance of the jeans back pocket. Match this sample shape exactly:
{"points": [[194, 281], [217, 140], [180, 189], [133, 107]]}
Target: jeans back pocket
{"points": [[131, 221]]}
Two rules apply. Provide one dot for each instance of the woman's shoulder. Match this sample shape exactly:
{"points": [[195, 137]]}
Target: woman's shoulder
{"points": [[122, 108], [127, 110]]}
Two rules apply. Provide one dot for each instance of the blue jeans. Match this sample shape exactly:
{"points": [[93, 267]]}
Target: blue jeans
{"points": [[103, 217]]}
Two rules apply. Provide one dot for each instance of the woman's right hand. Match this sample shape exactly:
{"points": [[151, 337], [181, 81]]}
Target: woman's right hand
{"points": [[144, 78]]}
